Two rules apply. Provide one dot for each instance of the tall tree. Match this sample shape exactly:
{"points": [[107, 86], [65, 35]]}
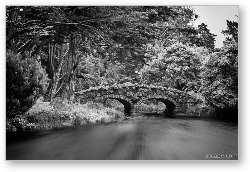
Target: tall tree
{"points": [[205, 38], [59, 33], [220, 73]]}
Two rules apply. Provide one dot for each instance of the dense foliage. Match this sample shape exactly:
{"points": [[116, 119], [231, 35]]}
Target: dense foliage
{"points": [[53, 51], [177, 66], [26, 81], [220, 75]]}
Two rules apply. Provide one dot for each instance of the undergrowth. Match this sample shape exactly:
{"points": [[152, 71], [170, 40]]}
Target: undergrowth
{"points": [[57, 114]]}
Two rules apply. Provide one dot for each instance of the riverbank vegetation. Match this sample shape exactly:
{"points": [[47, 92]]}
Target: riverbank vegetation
{"points": [[49, 115], [53, 51]]}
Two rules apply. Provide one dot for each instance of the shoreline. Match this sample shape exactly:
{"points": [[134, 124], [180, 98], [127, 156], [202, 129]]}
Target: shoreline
{"points": [[118, 120]]}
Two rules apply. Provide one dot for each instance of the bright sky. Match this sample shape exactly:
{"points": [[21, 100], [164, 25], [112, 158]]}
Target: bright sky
{"points": [[215, 18]]}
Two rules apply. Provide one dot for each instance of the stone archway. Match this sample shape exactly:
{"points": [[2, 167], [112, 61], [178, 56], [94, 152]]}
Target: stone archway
{"points": [[170, 106], [126, 103], [131, 95]]}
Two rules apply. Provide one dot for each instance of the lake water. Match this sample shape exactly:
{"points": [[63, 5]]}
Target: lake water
{"points": [[138, 138]]}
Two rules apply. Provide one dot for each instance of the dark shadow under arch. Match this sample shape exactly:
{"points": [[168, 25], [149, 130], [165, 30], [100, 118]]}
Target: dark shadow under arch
{"points": [[126, 104], [170, 106]]}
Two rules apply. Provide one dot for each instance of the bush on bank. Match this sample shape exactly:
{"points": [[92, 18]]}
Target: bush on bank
{"points": [[201, 110], [26, 80], [57, 114]]}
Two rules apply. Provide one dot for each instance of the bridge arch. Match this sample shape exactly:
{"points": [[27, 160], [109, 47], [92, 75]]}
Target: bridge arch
{"points": [[170, 104], [125, 101]]}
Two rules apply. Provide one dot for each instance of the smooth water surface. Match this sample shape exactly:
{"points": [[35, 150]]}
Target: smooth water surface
{"points": [[139, 138]]}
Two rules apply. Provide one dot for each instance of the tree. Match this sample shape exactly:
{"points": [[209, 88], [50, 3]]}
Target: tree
{"points": [[26, 81], [220, 75], [205, 38], [132, 32], [158, 26], [177, 67], [62, 35]]}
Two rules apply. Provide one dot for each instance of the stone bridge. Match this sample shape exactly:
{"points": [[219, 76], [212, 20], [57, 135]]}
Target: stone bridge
{"points": [[131, 94]]}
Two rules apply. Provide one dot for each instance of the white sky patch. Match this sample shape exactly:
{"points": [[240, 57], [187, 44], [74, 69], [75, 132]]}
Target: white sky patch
{"points": [[215, 18]]}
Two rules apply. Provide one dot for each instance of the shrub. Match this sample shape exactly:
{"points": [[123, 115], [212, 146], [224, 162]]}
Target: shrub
{"points": [[150, 107], [95, 112], [56, 114], [200, 110], [48, 115], [26, 80], [20, 123]]}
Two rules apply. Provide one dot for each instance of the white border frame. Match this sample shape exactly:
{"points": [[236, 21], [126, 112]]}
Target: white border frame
{"points": [[244, 118]]}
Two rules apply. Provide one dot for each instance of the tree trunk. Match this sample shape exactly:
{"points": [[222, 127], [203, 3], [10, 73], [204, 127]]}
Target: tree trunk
{"points": [[71, 65], [62, 82], [55, 85]]}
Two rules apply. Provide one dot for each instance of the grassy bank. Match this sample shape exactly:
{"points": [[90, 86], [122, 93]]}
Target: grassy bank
{"points": [[56, 114]]}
